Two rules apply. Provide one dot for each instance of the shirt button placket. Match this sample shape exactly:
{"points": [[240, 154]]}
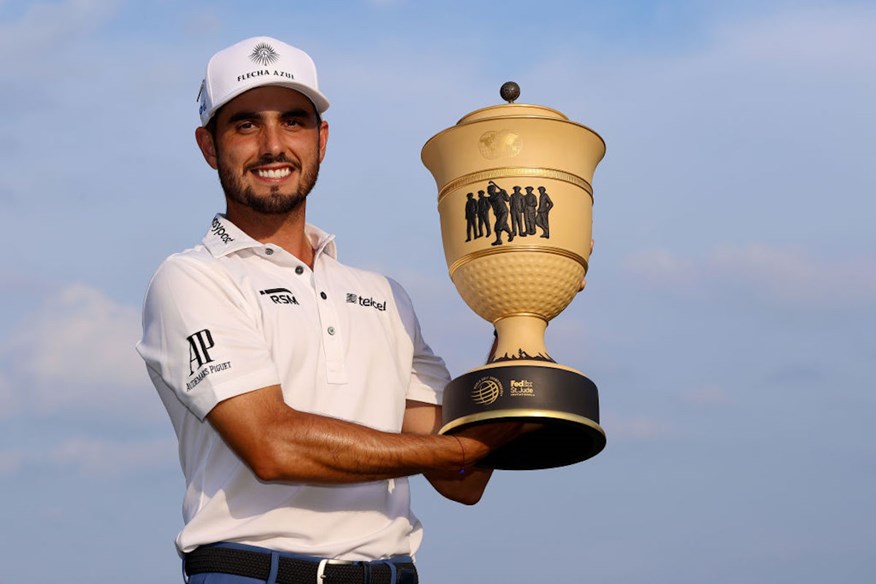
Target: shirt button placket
{"points": [[332, 342]]}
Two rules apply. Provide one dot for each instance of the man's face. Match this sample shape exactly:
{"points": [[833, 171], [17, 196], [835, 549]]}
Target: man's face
{"points": [[267, 147]]}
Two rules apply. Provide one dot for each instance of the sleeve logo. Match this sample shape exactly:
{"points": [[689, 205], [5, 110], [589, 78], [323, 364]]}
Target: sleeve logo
{"points": [[200, 344]]}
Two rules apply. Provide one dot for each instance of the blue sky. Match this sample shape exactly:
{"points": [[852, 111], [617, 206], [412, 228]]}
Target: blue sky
{"points": [[728, 319]]}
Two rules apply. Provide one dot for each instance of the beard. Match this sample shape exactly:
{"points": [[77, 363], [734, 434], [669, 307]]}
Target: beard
{"points": [[277, 202]]}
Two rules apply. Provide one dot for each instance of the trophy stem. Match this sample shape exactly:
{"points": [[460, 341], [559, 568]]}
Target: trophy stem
{"points": [[521, 336]]}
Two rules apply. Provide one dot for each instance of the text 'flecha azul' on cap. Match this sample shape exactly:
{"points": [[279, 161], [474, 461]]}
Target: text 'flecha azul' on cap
{"points": [[254, 63]]}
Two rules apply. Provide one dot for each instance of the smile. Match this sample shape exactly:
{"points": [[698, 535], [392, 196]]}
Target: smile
{"points": [[273, 173]]}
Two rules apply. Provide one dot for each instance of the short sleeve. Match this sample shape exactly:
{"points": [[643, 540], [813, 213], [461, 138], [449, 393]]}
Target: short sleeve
{"points": [[429, 374], [201, 336]]}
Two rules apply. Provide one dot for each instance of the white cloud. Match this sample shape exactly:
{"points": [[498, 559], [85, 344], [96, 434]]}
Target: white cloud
{"points": [[707, 396], [8, 397], [10, 462], [662, 268], [76, 351], [814, 37], [45, 26], [90, 456], [637, 428], [794, 275], [786, 275]]}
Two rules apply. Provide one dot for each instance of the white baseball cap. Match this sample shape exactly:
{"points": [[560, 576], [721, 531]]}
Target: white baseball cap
{"points": [[254, 63]]}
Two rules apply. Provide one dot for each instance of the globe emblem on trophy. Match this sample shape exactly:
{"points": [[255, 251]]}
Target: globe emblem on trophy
{"points": [[486, 391], [515, 202]]}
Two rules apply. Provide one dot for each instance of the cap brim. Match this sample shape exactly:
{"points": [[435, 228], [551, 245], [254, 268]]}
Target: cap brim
{"points": [[319, 101]]}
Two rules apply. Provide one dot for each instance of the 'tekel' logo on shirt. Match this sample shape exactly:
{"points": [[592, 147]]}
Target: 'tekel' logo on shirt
{"points": [[361, 301]]}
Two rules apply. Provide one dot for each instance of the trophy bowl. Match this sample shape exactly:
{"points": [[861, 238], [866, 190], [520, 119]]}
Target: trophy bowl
{"points": [[515, 201]]}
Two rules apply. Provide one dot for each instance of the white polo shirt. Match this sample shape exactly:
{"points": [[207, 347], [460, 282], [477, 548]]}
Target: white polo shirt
{"points": [[233, 315]]}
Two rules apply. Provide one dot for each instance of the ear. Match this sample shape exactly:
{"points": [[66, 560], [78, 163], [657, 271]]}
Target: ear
{"points": [[207, 146], [323, 138]]}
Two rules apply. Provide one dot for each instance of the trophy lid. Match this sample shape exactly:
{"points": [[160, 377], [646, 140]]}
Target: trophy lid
{"points": [[524, 137], [510, 91]]}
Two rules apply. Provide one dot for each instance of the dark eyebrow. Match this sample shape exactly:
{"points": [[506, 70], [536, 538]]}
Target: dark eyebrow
{"points": [[296, 113], [240, 116], [245, 115]]}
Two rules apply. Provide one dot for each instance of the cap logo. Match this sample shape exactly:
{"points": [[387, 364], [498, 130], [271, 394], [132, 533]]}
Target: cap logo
{"points": [[264, 54]]}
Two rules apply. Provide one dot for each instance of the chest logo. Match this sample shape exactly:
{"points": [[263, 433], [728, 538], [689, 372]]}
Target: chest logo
{"points": [[279, 295], [362, 301]]}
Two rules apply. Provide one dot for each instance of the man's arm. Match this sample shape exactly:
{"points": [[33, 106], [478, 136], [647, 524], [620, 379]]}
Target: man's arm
{"points": [[464, 485], [280, 443]]}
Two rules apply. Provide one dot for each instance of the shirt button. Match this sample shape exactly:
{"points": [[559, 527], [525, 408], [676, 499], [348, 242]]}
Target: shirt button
{"points": [[323, 295], [299, 270], [331, 330], [269, 251]]}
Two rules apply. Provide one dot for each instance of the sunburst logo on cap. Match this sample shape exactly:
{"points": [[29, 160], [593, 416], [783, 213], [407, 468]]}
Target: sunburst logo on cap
{"points": [[263, 53]]}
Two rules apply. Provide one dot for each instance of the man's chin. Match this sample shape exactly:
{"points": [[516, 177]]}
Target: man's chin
{"points": [[276, 204]]}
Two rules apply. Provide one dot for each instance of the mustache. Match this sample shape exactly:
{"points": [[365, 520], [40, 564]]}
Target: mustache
{"points": [[271, 159]]}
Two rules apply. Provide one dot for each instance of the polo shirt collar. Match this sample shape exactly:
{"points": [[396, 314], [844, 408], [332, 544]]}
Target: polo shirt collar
{"points": [[224, 238], [321, 241]]}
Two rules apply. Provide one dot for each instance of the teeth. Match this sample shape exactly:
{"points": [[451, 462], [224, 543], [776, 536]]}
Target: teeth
{"points": [[273, 172]]}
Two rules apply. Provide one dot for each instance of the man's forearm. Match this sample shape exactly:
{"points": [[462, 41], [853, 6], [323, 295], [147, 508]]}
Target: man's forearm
{"points": [[282, 444]]}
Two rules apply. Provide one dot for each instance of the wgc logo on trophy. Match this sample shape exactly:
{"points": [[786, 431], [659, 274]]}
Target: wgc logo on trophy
{"points": [[515, 200]]}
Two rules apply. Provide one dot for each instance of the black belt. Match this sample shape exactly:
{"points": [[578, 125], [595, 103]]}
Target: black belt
{"points": [[252, 564]]}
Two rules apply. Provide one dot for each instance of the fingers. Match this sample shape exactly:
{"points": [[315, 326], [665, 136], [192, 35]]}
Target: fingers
{"points": [[583, 280], [493, 435]]}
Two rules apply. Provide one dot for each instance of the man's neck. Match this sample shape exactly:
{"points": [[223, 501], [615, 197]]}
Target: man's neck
{"points": [[283, 230]]}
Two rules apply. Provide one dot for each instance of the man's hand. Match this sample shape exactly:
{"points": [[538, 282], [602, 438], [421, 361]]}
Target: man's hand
{"points": [[466, 482], [583, 280]]}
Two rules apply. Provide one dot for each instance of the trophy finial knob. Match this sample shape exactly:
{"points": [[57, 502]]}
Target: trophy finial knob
{"points": [[509, 91]]}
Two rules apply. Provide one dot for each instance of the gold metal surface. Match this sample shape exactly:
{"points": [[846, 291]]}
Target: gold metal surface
{"points": [[511, 172], [506, 414], [516, 249]]}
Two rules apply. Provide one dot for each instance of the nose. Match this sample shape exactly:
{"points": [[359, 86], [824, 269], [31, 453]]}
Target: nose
{"points": [[272, 142]]}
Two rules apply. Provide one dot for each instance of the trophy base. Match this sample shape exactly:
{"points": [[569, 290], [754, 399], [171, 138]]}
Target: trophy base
{"points": [[563, 401]]}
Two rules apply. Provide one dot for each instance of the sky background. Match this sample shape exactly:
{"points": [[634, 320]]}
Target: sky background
{"points": [[728, 319]]}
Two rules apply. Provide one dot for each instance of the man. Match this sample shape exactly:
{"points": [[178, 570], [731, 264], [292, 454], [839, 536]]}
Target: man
{"points": [[529, 210], [517, 226], [499, 200], [471, 217], [300, 389], [542, 216], [483, 214]]}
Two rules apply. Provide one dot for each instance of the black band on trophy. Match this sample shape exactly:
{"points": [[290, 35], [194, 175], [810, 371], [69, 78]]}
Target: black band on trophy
{"points": [[564, 402]]}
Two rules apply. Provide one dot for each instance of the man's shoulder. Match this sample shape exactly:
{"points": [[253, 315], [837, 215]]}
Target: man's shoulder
{"points": [[359, 273], [187, 261], [197, 254]]}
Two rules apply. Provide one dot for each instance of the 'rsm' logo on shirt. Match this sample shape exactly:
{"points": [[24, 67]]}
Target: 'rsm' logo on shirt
{"points": [[279, 295]]}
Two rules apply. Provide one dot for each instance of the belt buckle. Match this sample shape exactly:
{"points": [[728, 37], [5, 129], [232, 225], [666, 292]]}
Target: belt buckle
{"points": [[320, 570]]}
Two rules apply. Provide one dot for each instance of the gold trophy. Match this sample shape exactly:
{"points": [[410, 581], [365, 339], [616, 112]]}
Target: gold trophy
{"points": [[515, 200]]}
